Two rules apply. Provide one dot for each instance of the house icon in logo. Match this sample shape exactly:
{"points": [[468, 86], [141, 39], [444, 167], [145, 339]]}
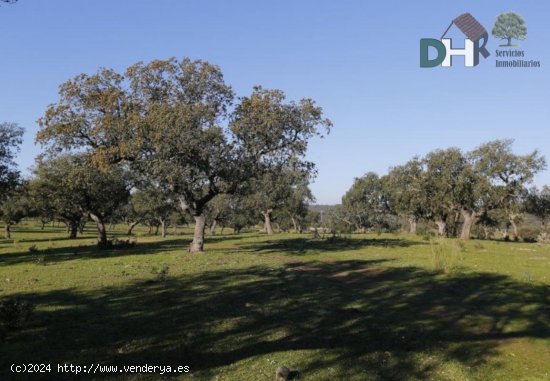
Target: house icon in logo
{"points": [[474, 44]]}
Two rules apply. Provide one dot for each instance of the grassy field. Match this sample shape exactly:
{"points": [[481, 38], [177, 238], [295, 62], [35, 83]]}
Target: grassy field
{"points": [[364, 307]]}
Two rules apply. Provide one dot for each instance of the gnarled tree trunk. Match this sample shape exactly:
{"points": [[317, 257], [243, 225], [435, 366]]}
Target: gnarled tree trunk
{"points": [[441, 227], [213, 227], [295, 225], [197, 246], [73, 231], [514, 229], [413, 222], [7, 231], [470, 219], [163, 228], [131, 227], [101, 231], [268, 225]]}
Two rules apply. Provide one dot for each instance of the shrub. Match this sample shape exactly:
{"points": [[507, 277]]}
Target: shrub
{"points": [[121, 243], [162, 274], [447, 255], [543, 237], [529, 234]]}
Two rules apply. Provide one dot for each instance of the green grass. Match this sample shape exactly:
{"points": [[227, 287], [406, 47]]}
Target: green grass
{"points": [[365, 307]]}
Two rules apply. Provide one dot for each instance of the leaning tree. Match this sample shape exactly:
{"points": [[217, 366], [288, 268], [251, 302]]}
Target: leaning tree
{"points": [[173, 121]]}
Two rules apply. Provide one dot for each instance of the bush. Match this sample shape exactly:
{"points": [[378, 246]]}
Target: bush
{"points": [[161, 275], [529, 234], [121, 243], [543, 237]]}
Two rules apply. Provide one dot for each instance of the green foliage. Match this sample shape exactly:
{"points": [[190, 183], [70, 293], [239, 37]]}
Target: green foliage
{"points": [[538, 203], [406, 189], [11, 137], [367, 202], [449, 187], [169, 121], [510, 26], [154, 206], [69, 187]]}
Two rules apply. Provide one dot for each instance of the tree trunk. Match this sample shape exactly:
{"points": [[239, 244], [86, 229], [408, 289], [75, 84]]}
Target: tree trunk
{"points": [[221, 231], [213, 227], [509, 41], [156, 229], [131, 227], [267, 222], [163, 226], [514, 229], [175, 229], [197, 246], [441, 227], [295, 224], [7, 231], [101, 231], [413, 224], [73, 230], [505, 234], [470, 219]]}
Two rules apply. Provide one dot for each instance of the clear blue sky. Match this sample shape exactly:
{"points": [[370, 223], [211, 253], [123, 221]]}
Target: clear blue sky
{"points": [[357, 59]]}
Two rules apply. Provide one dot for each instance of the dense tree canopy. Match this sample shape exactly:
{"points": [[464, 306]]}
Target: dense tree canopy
{"points": [[72, 188], [448, 187], [11, 137], [171, 120]]}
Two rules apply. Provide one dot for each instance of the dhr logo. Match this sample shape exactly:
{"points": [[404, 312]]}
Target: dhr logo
{"points": [[474, 44]]}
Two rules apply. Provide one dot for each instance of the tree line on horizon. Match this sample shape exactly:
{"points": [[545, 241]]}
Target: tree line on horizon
{"points": [[168, 142], [489, 188]]}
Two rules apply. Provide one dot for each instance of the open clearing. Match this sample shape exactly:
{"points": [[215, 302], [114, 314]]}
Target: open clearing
{"points": [[364, 307]]}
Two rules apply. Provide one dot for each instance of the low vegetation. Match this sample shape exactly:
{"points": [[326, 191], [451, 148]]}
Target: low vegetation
{"points": [[355, 307]]}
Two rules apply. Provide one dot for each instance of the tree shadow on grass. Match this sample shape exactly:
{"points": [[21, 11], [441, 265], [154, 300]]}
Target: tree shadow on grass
{"points": [[306, 245], [67, 253], [84, 251], [366, 319]]}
